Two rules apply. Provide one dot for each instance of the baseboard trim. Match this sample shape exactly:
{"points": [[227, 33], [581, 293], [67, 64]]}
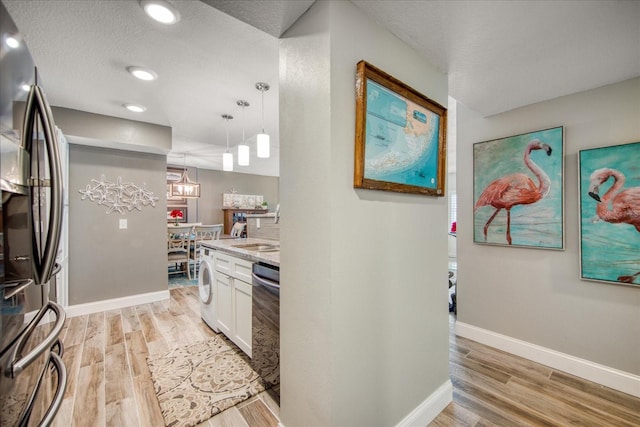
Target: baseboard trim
{"points": [[115, 303], [613, 378], [429, 409]]}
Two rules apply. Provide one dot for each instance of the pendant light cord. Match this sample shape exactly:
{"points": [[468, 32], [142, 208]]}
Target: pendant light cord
{"points": [[262, 91], [243, 105], [227, 117], [262, 87]]}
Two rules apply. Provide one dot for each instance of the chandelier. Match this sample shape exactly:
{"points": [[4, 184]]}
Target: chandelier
{"points": [[185, 187]]}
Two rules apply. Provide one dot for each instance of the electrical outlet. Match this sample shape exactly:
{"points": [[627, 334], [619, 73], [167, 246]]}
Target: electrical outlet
{"points": [[123, 224], [258, 222]]}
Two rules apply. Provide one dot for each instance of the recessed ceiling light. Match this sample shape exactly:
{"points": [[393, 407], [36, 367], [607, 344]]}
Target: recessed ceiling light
{"points": [[12, 42], [136, 108], [161, 11], [142, 73]]}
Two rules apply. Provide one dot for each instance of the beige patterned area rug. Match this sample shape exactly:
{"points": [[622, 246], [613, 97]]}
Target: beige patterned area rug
{"points": [[196, 382]]}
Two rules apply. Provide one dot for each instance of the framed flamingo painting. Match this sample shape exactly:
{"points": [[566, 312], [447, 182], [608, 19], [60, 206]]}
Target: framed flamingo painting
{"points": [[610, 214], [518, 192]]}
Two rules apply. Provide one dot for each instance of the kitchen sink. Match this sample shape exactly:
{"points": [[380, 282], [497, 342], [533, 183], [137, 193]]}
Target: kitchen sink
{"points": [[258, 247]]}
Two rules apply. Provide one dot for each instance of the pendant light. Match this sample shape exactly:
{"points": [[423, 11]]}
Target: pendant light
{"points": [[263, 138], [243, 149], [185, 187], [227, 157]]}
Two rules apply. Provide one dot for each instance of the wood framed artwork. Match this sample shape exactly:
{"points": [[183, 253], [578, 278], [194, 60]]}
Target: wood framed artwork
{"points": [[177, 218], [174, 175], [518, 190], [400, 136], [610, 214]]}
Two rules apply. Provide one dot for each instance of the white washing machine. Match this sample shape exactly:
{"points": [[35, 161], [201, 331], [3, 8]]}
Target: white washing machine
{"points": [[206, 288]]}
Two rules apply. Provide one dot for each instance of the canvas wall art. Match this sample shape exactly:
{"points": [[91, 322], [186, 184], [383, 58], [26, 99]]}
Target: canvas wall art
{"points": [[610, 214], [518, 191]]}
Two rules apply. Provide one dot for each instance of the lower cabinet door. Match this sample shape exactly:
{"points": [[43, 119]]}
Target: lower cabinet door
{"points": [[242, 297], [224, 303]]}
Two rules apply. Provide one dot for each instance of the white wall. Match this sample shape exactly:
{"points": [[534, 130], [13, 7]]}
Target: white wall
{"points": [[364, 326], [536, 295]]}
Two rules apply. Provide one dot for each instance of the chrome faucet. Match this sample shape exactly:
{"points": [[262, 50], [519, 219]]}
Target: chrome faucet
{"points": [[277, 218]]}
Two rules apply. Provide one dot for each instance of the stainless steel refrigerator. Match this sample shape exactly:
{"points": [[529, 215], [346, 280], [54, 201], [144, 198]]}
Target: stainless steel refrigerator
{"points": [[32, 373]]}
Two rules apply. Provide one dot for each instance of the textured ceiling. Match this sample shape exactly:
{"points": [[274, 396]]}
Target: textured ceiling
{"points": [[205, 63], [499, 55], [271, 16], [502, 55]]}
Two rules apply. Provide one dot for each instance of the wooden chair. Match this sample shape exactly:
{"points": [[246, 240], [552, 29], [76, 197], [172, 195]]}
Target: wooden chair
{"points": [[200, 233], [178, 247]]}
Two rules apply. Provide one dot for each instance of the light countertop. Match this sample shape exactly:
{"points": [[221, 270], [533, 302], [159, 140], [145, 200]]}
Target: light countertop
{"points": [[262, 215], [228, 246]]}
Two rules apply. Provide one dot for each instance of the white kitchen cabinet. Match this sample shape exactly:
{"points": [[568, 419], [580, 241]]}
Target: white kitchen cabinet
{"points": [[242, 305], [233, 303], [224, 303]]}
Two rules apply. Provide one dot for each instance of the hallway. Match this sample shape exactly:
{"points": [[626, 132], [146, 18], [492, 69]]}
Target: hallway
{"points": [[491, 387]]}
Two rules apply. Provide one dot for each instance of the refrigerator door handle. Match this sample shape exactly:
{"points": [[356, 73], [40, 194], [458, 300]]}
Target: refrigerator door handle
{"points": [[55, 361], [37, 103], [16, 286], [18, 365], [56, 269]]}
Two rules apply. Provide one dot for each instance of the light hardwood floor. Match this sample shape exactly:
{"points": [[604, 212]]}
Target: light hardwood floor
{"points": [[108, 379], [109, 382], [494, 388]]}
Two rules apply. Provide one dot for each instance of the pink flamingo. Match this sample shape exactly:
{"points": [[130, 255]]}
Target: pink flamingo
{"points": [[516, 189], [625, 206]]}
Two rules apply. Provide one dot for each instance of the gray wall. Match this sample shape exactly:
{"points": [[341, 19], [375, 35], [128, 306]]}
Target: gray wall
{"points": [[536, 295], [208, 208], [104, 261], [364, 325], [113, 132]]}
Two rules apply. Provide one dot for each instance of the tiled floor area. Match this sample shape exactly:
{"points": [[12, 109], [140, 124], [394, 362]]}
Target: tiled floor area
{"points": [[110, 385], [491, 387], [108, 379]]}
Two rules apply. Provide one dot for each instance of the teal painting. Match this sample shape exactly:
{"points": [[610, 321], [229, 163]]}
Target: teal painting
{"points": [[518, 190], [610, 214], [402, 139], [400, 136]]}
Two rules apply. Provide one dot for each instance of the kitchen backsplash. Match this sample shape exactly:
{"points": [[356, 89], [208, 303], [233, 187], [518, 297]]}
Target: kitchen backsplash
{"points": [[268, 228]]}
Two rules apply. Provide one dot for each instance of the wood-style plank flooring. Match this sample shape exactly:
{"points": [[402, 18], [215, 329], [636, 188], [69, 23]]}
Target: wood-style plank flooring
{"points": [[109, 382], [108, 379], [494, 388]]}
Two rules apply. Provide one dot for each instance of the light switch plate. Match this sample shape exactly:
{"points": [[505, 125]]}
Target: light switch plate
{"points": [[123, 223]]}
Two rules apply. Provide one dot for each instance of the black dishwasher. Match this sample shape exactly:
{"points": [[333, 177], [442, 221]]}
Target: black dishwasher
{"points": [[265, 334]]}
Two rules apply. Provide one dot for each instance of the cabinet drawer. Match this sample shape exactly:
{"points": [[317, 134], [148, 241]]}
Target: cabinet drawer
{"points": [[241, 269], [234, 267], [243, 287], [223, 263]]}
